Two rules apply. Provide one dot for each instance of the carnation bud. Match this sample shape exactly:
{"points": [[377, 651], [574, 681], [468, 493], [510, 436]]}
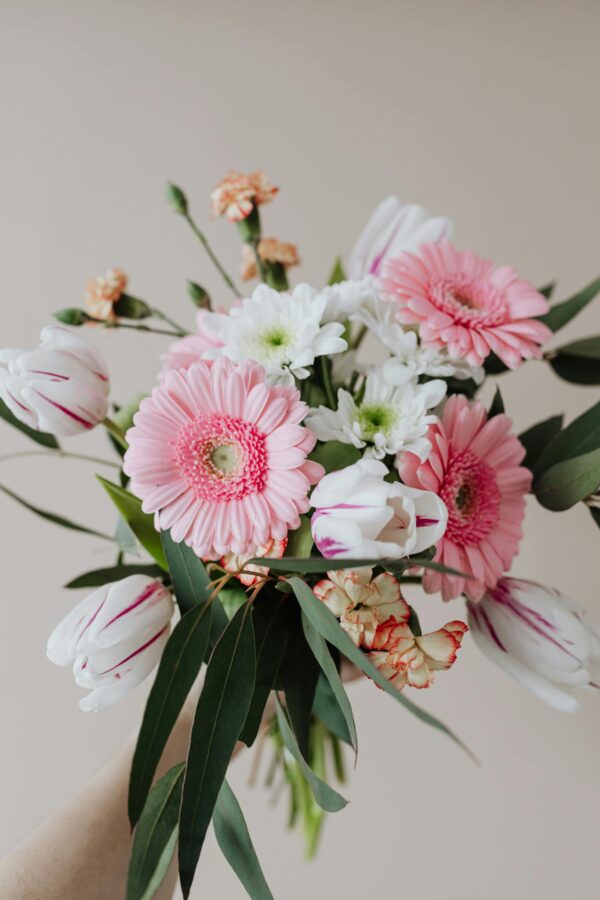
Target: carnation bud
{"points": [[198, 295], [177, 199], [128, 307], [72, 316], [249, 227]]}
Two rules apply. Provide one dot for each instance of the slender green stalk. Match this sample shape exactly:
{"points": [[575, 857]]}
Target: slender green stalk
{"points": [[159, 314], [147, 328], [116, 432], [355, 344], [199, 234], [61, 454], [325, 372]]}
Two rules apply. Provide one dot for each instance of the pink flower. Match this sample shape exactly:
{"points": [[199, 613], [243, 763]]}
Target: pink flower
{"points": [[234, 563], [362, 603], [462, 302], [405, 658], [220, 457], [474, 466], [190, 349], [114, 638]]}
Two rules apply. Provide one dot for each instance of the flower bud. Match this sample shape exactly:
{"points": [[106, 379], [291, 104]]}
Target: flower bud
{"points": [[539, 637], [72, 316], [61, 388], [114, 638], [198, 295], [177, 199]]}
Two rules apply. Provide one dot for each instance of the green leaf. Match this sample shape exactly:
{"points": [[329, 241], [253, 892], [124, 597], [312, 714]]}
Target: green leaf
{"points": [[338, 273], [300, 541], [578, 362], [579, 437], [232, 597], [128, 307], [125, 538], [179, 665], [299, 675], [52, 517], [141, 523], [326, 708], [548, 290], [335, 455], [40, 437], [497, 407], [328, 626], [220, 715], [494, 366], [321, 653], [234, 840], [326, 797], [566, 483], [271, 640], [317, 565], [536, 439], [562, 313], [98, 577], [155, 837], [595, 513]]}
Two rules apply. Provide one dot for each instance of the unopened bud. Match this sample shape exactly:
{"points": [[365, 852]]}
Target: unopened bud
{"points": [[198, 295], [177, 199], [72, 316]]}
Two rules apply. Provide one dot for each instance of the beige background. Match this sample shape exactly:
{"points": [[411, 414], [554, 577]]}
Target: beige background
{"points": [[484, 111]]}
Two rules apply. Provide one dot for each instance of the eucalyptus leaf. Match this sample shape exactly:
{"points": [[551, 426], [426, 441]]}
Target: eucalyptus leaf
{"points": [[497, 407], [548, 290], [53, 517], [220, 715], [125, 538], [578, 362], [579, 437], [155, 837], [40, 437], [328, 626], [234, 840], [595, 513], [338, 273], [299, 674], [326, 708], [327, 798], [321, 653], [567, 482], [335, 455], [271, 640], [561, 314], [317, 565], [179, 665], [300, 541], [141, 523], [536, 439], [98, 577]]}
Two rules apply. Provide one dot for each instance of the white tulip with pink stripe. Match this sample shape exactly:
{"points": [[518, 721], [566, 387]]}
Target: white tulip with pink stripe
{"points": [[61, 387], [114, 638]]}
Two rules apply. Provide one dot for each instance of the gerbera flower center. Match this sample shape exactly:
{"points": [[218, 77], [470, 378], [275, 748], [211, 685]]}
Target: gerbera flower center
{"points": [[469, 301], [376, 419], [221, 458], [471, 493]]}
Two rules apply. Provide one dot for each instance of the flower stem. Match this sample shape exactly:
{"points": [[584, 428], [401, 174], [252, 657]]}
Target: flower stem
{"points": [[61, 454], [355, 344], [199, 234], [325, 372], [157, 313], [147, 328], [116, 432]]}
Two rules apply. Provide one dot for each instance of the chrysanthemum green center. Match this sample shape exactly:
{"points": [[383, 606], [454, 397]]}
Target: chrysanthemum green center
{"points": [[376, 419], [274, 340]]}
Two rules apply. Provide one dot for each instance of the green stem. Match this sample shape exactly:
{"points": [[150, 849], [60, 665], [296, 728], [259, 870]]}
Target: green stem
{"points": [[146, 328], [355, 344], [116, 432], [165, 318], [226, 278], [61, 454], [325, 372]]}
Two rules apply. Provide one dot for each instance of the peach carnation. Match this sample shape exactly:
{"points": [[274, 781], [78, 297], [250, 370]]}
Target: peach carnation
{"points": [[405, 658], [219, 456], [475, 468], [103, 292], [236, 195], [252, 574], [269, 250], [463, 303]]}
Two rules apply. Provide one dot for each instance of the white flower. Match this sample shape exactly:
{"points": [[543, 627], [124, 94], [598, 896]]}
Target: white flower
{"points": [[61, 387], [389, 419], [281, 331], [410, 358], [393, 228], [114, 638], [539, 637], [346, 298], [359, 515]]}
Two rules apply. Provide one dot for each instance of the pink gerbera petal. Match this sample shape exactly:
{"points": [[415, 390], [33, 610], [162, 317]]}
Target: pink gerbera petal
{"points": [[218, 455], [474, 467]]}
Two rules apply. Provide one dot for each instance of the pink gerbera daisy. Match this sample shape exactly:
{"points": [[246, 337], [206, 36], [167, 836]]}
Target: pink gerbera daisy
{"points": [[220, 457], [462, 302], [187, 350], [474, 466]]}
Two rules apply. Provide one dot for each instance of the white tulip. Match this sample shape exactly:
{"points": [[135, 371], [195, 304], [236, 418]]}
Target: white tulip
{"points": [[361, 516], [392, 229], [114, 638], [539, 637], [61, 387]]}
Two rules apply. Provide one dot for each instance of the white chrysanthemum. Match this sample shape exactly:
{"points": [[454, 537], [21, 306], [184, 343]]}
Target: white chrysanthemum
{"points": [[346, 298], [410, 358], [281, 331], [388, 419]]}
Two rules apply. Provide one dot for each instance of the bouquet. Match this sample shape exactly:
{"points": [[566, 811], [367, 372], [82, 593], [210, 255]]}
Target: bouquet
{"points": [[303, 456]]}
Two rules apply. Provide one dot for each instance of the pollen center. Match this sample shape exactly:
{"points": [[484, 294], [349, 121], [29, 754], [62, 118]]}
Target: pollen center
{"points": [[376, 419], [471, 493]]}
